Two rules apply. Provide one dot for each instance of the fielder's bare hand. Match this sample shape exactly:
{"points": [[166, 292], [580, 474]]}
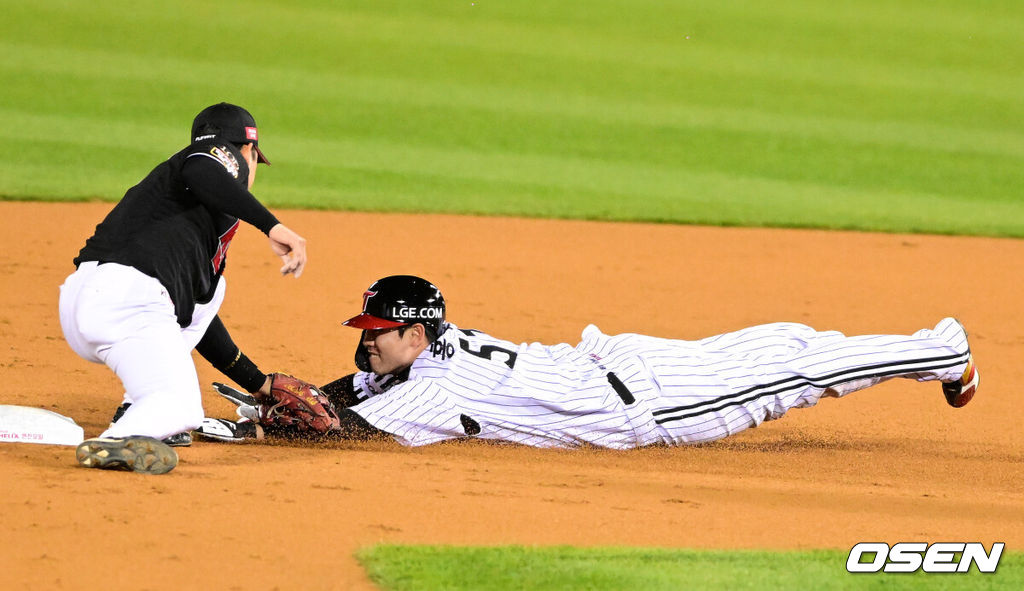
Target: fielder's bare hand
{"points": [[290, 247]]}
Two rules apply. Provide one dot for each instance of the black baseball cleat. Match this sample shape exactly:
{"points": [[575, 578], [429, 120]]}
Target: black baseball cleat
{"points": [[145, 455], [959, 392], [183, 439], [227, 430]]}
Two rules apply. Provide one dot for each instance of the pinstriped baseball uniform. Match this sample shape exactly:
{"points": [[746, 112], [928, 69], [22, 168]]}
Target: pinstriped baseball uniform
{"points": [[633, 390]]}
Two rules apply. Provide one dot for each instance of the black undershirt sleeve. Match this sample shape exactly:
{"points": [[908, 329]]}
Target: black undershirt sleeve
{"points": [[217, 347], [208, 180], [356, 427], [341, 392]]}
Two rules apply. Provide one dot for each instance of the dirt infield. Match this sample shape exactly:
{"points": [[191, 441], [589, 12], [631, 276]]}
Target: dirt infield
{"points": [[891, 463]]}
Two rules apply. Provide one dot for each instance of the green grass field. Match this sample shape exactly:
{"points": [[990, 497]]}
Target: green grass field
{"points": [[515, 568], [885, 115], [870, 114]]}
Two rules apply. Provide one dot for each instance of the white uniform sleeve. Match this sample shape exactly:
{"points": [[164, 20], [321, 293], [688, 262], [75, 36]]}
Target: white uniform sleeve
{"points": [[415, 413], [367, 384]]}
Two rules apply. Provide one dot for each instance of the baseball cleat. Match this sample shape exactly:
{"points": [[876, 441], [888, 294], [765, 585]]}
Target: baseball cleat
{"points": [[226, 430], [247, 407], [183, 439], [960, 392], [145, 455], [237, 397]]}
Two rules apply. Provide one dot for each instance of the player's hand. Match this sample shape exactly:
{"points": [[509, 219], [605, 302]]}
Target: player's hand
{"points": [[290, 247]]}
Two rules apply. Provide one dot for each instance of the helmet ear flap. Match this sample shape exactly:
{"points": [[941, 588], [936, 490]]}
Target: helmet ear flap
{"points": [[431, 332], [362, 355]]}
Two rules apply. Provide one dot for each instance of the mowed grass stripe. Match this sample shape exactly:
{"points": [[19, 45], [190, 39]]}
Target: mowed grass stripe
{"points": [[768, 49], [378, 174], [608, 29], [760, 117], [66, 67], [502, 568]]}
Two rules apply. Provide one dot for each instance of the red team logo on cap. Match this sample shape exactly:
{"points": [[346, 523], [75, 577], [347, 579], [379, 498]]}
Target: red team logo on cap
{"points": [[250, 134], [366, 298]]}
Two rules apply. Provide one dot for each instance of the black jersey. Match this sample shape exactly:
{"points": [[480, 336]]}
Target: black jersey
{"points": [[176, 225]]}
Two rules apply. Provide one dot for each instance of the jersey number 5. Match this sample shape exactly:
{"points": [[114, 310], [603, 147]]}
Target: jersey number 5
{"points": [[488, 351]]}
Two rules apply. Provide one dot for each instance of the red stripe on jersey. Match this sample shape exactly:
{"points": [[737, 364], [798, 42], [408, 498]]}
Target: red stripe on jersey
{"points": [[222, 248]]}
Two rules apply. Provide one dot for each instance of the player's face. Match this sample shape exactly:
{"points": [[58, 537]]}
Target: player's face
{"points": [[252, 158], [391, 350]]}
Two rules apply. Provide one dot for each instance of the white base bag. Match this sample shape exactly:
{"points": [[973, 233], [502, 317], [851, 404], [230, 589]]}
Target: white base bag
{"points": [[26, 424]]}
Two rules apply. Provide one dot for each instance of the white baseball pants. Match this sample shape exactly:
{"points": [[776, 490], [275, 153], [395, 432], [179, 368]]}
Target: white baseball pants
{"points": [[721, 385], [119, 316]]}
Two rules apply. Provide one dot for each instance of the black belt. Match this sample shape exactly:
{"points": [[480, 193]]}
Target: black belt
{"points": [[620, 388]]}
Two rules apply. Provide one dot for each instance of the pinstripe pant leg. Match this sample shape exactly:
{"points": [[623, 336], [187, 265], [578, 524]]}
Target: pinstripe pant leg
{"points": [[742, 379]]}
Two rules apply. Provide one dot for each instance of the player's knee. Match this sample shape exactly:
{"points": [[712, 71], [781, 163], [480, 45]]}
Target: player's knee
{"points": [[180, 415], [191, 417]]}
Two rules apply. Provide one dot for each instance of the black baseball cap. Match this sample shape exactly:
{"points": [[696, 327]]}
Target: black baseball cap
{"points": [[228, 122]]}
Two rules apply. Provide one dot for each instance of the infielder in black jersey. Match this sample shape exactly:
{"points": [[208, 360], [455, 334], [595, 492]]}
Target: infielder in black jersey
{"points": [[149, 283], [423, 379]]}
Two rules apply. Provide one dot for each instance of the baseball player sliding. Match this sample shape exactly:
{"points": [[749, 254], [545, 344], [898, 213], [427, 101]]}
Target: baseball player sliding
{"points": [[423, 380], [149, 283]]}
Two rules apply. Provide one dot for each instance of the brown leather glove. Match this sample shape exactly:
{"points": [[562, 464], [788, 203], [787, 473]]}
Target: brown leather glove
{"points": [[295, 408]]}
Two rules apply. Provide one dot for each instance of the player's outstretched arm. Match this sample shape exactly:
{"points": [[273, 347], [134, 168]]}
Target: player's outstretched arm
{"points": [[356, 428], [286, 416], [290, 247], [342, 392]]}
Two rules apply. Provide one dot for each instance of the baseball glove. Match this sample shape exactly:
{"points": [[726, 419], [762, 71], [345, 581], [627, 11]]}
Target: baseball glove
{"points": [[295, 408]]}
